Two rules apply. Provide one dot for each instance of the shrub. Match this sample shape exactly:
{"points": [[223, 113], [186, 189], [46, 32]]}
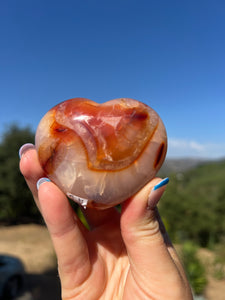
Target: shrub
{"points": [[195, 270]]}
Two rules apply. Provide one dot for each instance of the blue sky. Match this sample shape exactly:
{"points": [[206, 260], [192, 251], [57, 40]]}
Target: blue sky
{"points": [[168, 54]]}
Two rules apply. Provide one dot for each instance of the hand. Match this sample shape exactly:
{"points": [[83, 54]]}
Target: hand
{"points": [[122, 256]]}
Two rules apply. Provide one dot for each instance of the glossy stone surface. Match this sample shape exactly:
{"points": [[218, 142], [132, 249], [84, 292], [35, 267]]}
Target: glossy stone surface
{"points": [[101, 154]]}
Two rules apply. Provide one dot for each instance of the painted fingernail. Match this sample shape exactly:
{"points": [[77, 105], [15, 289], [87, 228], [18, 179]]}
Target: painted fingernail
{"points": [[42, 180], [161, 183], [24, 148], [156, 193]]}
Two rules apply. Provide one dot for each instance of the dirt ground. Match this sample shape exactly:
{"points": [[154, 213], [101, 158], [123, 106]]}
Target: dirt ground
{"points": [[215, 288], [31, 243]]}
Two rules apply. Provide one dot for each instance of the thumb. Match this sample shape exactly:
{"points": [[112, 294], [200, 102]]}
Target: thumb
{"points": [[141, 231]]}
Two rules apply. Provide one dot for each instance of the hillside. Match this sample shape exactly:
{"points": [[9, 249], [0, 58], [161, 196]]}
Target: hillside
{"points": [[194, 202], [177, 165], [180, 165]]}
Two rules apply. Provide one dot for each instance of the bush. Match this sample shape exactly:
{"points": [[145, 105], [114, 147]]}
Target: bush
{"points": [[219, 261], [195, 270]]}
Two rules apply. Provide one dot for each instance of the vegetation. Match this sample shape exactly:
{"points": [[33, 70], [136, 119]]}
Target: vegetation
{"points": [[194, 205], [16, 204], [218, 267], [195, 269]]}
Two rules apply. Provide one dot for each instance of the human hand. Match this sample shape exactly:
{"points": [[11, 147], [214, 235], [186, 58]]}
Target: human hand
{"points": [[122, 256]]}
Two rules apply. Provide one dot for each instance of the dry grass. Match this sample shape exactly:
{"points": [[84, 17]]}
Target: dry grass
{"points": [[30, 243]]}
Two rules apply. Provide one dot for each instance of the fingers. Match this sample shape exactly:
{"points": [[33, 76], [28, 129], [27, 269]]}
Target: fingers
{"points": [[65, 229], [66, 232], [30, 168], [146, 247]]}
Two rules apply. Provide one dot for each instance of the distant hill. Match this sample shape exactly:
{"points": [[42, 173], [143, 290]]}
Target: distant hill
{"points": [[181, 165]]}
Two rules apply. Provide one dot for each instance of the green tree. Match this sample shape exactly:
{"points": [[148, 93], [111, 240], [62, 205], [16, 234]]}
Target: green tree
{"points": [[16, 203], [194, 204]]}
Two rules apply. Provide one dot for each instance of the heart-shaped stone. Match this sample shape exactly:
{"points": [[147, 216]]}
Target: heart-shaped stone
{"points": [[101, 154]]}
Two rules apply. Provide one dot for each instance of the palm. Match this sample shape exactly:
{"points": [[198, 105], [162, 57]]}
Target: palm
{"points": [[109, 265], [110, 276]]}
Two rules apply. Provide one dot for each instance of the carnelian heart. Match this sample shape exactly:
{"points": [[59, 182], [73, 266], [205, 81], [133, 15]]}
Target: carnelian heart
{"points": [[101, 154]]}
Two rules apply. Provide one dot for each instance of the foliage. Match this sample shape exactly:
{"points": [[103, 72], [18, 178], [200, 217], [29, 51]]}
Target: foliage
{"points": [[219, 261], [194, 204], [194, 268], [218, 269], [16, 204], [81, 217]]}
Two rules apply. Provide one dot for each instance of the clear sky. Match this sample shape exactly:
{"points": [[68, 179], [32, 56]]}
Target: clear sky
{"points": [[168, 54]]}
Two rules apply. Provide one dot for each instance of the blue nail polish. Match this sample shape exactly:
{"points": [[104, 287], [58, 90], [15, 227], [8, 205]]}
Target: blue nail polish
{"points": [[161, 183], [24, 148], [42, 180]]}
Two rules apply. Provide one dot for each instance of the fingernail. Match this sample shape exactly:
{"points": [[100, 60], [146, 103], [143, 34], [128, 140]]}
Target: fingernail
{"points": [[156, 193], [161, 183], [42, 180], [24, 148]]}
